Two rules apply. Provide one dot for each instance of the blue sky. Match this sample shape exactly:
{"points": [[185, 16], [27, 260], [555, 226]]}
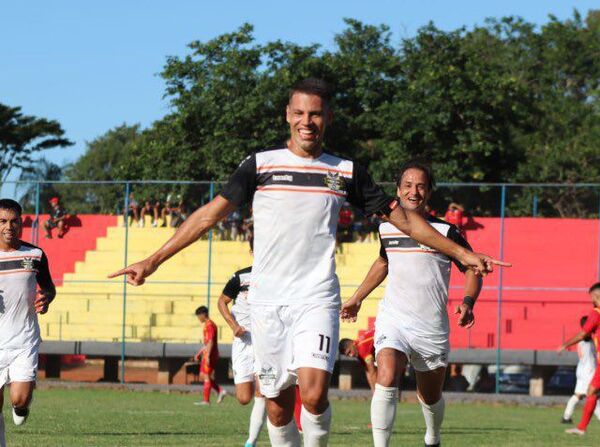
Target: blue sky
{"points": [[93, 65]]}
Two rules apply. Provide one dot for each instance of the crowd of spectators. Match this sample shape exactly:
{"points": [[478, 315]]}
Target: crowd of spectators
{"points": [[170, 212]]}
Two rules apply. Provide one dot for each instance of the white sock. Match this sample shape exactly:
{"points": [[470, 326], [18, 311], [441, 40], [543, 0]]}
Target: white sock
{"points": [[434, 416], [286, 436], [2, 438], [315, 427], [257, 419], [383, 413], [570, 408], [597, 411]]}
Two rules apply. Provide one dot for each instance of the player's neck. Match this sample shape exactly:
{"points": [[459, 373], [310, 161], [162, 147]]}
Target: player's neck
{"points": [[10, 247], [314, 153]]}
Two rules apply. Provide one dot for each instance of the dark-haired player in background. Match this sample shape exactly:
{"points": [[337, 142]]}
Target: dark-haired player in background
{"points": [[591, 328], [362, 349], [412, 322], [23, 268], [296, 192], [242, 354], [208, 356]]}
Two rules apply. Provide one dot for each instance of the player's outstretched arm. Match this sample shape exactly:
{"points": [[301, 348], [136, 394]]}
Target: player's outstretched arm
{"points": [[573, 340], [414, 225], [199, 222], [375, 276], [223, 305]]}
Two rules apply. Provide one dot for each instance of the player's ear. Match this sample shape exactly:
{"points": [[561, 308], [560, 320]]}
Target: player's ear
{"points": [[287, 114]]}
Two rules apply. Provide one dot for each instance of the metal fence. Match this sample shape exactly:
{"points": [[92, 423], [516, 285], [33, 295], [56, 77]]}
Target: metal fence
{"points": [[496, 216]]}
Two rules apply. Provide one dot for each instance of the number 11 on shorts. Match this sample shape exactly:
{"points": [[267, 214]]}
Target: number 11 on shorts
{"points": [[324, 338]]}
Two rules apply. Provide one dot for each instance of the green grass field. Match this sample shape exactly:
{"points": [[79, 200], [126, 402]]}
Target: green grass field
{"points": [[92, 417]]}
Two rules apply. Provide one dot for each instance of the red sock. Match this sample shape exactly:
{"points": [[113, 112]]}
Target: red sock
{"points": [[215, 386], [207, 387], [298, 408], [588, 411]]}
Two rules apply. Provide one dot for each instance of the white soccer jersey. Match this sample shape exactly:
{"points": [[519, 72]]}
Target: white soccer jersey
{"points": [[20, 272], [237, 289], [416, 294], [587, 359], [296, 203]]}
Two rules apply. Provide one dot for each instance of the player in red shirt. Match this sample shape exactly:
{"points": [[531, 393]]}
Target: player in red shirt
{"points": [[210, 355], [591, 327], [363, 349]]}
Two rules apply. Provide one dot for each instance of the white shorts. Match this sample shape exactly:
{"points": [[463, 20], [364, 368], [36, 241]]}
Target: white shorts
{"points": [[583, 382], [18, 365], [424, 353], [242, 359], [286, 338]]}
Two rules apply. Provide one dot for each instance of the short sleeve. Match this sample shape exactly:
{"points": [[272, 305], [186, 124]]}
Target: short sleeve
{"points": [[382, 252], [232, 288], [43, 277], [593, 321], [455, 236], [240, 188], [211, 332], [365, 193]]}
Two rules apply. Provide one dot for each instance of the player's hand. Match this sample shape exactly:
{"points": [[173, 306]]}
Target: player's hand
{"points": [[239, 331], [480, 263], [136, 273], [560, 349], [466, 317], [350, 310], [197, 357], [41, 303]]}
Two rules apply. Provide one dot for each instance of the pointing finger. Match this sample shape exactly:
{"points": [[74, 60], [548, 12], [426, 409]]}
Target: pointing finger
{"points": [[119, 273]]}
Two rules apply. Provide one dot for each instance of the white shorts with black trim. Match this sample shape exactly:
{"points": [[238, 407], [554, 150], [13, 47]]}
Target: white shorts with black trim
{"points": [[286, 338], [18, 365], [242, 359], [424, 353]]}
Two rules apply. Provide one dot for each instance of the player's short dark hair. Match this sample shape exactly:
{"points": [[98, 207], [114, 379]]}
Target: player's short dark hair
{"points": [[594, 287], [10, 204], [582, 320], [421, 166], [313, 86], [344, 343], [202, 310]]}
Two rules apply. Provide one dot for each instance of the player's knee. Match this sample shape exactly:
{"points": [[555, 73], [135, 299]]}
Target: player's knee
{"points": [[386, 377], [430, 397], [315, 401], [243, 397], [20, 401]]}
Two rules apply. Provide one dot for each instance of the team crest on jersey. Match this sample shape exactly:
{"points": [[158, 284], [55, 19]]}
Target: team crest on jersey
{"points": [[267, 376], [335, 182], [27, 263]]}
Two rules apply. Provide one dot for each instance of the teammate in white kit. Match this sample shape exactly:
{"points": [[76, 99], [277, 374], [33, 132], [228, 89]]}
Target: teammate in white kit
{"points": [[23, 267], [586, 366], [296, 193], [412, 322], [242, 354]]}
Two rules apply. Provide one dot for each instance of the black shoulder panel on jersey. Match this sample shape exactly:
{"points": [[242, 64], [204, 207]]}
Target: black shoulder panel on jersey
{"points": [[364, 193], [242, 183]]}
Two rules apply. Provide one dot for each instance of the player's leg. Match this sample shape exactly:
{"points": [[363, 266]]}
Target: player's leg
{"points": [[298, 408], [257, 417], [570, 408], [280, 422], [429, 392], [20, 396], [2, 436], [391, 363], [315, 343]]}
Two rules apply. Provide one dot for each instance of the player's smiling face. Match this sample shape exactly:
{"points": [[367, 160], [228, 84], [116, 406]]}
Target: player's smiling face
{"points": [[413, 190], [308, 116], [10, 228]]}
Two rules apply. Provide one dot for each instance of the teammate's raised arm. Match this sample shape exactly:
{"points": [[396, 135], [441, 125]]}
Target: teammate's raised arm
{"points": [[190, 231], [376, 275]]}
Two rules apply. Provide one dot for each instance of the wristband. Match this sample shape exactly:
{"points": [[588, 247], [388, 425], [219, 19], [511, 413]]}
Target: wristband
{"points": [[469, 301]]}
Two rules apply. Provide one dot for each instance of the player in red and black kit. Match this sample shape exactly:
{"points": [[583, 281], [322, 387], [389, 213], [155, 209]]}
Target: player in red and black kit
{"points": [[591, 327], [210, 355], [363, 349]]}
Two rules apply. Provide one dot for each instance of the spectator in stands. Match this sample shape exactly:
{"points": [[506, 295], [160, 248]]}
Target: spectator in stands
{"points": [[485, 383], [208, 356], [134, 210], [455, 216], [234, 223], [362, 349], [345, 221], [178, 214], [456, 381], [151, 207], [58, 217], [248, 227]]}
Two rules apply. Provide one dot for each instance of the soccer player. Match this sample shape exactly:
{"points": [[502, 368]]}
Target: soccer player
{"points": [[242, 354], [586, 366], [23, 267], [296, 192], [412, 322], [363, 349], [590, 328], [209, 355]]}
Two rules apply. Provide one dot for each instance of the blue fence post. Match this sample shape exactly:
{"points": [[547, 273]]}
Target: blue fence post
{"points": [[598, 234], [35, 227], [126, 221], [500, 273], [535, 205], [210, 239]]}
